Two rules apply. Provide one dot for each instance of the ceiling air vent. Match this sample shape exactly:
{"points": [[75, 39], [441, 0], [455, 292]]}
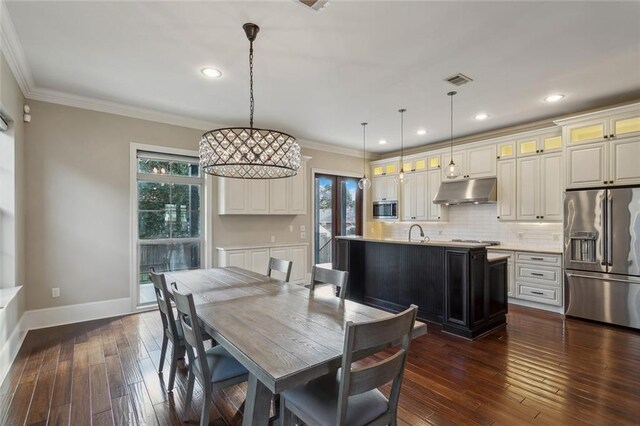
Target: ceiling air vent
{"points": [[459, 79], [313, 4]]}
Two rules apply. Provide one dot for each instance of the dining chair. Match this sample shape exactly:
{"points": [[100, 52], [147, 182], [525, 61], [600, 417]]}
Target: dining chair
{"points": [[280, 265], [334, 277], [171, 326], [350, 397], [214, 368]]}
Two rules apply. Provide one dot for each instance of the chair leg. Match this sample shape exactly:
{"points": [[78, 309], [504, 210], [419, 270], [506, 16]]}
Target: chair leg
{"points": [[286, 416], [187, 403], [163, 352], [204, 417], [174, 366]]}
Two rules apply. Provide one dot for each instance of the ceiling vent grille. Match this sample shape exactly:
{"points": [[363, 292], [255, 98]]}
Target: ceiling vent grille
{"points": [[313, 4], [459, 79]]}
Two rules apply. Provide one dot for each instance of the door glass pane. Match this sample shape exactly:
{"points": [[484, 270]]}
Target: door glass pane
{"points": [[506, 151], [407, 167], [579, 134], [324, 218], [348, 207], [434, 162], [165, 257], [377, 171], [421, 165], [391, 168], [528, 147]]}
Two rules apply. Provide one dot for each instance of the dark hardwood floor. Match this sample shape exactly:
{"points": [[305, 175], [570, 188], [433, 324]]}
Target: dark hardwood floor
{"points": [[541, 369]]}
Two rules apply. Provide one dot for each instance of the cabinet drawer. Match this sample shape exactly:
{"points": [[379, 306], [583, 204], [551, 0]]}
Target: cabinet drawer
{"points": [[546, 276], [539, 259], [550, 296]]}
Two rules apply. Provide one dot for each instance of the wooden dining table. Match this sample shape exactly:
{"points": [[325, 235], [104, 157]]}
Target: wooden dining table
{"points": [[281, 333]]}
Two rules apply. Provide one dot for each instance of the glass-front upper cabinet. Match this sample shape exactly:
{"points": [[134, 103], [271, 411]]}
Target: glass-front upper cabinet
{"points": [[414, 165], [541, 144], [588, 131], [625, 125], [433, 162], [550, 143], [384, 169], [506, 150]]}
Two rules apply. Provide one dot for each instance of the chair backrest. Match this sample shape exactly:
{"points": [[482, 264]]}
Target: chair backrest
{"points": [[192, 335], [164, 304], [280, 265], [360, 341], [321, 275]]}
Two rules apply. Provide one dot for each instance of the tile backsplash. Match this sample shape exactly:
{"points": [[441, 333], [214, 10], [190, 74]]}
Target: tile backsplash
{"points": [[478, 222]]}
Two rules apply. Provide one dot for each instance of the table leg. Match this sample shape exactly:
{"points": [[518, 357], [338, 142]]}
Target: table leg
{"points": [[258, 404]]}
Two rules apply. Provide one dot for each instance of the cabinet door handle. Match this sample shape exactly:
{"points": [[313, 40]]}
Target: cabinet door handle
{"points": [[498, 217], [606, 136], [541, 217], [537, 151], [537, 258], [537, 274], [611, 136], [605, 182], [610, 181], [438, 217], [538, 293], [498, 157], [542, 150]]}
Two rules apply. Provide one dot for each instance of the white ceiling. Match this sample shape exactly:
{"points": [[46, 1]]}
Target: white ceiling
{"points": [[319, 74]]}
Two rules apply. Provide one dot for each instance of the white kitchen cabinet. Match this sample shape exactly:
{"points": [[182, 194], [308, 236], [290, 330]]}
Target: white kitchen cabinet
{"points": [[587, 165], [286, 196], [551, 205], [481, 161], [506, 150], [256, 259], [625, 125], [614, 124], [624, 161], [615, 162], [384, 188], [539, 144], [528, 172], [414, 195], [435, 212], [536, 281], [384, 168], [539, 187], [593, 130], [475, 162], [506, 189]]}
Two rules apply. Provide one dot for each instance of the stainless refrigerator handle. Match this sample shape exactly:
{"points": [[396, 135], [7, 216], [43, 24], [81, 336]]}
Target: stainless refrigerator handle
{"points": [[618, 280], [603, 248], [609, 229]]}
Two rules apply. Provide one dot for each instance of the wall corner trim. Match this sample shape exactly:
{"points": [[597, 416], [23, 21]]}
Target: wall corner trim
{"points": [[50, 317]]}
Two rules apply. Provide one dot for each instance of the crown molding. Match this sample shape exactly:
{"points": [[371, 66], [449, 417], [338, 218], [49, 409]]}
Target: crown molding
{"points": [[336, 149], [12, 49]]}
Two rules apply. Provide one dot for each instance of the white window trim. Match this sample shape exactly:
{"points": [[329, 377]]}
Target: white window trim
{"points": [[365, 200], [207, 252]]}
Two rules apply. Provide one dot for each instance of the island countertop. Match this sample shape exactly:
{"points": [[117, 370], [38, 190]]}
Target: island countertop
{"points": [[433, 243]]}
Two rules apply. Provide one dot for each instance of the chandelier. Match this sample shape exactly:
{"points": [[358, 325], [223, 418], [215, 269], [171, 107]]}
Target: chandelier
{"points": [[249, 152]]}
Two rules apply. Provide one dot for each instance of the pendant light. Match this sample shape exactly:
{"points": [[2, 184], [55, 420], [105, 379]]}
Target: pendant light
{"points": [[402, 178], [453, 171], [365, 182], [249, 152]]}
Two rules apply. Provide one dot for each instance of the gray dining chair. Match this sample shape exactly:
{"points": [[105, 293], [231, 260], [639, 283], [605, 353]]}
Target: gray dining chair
{"points": [[321, 276], [283, 266], [351, 397], [214, 368], [171, 326]]}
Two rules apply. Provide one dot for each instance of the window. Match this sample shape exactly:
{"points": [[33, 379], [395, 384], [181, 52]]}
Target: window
{"points": [[170, 233], [338, 211]]}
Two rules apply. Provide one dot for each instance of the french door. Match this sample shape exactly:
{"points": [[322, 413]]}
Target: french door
{"points": [[338, 211]]}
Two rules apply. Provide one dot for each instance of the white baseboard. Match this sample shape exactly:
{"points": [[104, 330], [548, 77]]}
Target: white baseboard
{"points": [[534, 305], [11, 347], [50, 317]]}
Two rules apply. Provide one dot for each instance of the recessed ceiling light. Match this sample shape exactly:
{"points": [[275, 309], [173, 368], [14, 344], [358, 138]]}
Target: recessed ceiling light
{"points": [[382, 142], [211, 72], [421, 132], [553, 98], [481, 116]]}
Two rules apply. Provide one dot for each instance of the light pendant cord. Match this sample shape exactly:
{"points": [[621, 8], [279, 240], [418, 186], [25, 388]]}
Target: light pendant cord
{"points": [[401, 111], [451, 95], [251, 101], [364, 149]]}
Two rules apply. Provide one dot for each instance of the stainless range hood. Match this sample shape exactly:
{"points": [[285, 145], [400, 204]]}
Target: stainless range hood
{"points": [[476, 191]]}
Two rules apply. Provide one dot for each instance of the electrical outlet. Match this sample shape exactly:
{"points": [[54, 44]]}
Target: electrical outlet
{"points": [[303, 235], [55, 292], [273, 238]]}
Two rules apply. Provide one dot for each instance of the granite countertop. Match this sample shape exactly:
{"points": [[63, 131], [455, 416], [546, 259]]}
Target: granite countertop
{"points": [[259, 245], [417, 242], [514, 247]]}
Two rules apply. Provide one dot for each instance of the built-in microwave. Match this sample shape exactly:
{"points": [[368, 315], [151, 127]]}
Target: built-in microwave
{"points": [[385, 210]]}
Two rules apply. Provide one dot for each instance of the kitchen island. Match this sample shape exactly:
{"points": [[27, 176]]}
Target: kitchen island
{"points": [[455, 284]]}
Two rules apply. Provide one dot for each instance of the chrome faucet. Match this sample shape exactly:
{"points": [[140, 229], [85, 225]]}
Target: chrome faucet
{"points": [[419, 227]]}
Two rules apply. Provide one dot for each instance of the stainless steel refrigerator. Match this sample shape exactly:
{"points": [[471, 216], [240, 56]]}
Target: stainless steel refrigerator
{"points": [[602, 255]]}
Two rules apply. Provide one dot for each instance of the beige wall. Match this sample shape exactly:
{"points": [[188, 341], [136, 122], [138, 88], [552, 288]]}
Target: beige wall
{"points": [[77, 189]]}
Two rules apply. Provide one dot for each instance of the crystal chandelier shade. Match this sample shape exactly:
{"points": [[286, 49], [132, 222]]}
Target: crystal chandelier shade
{"points": [[249, 152]]}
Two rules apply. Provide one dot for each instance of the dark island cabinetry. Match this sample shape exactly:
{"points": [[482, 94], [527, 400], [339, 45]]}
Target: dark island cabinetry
{"points": [[456, 287]]}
